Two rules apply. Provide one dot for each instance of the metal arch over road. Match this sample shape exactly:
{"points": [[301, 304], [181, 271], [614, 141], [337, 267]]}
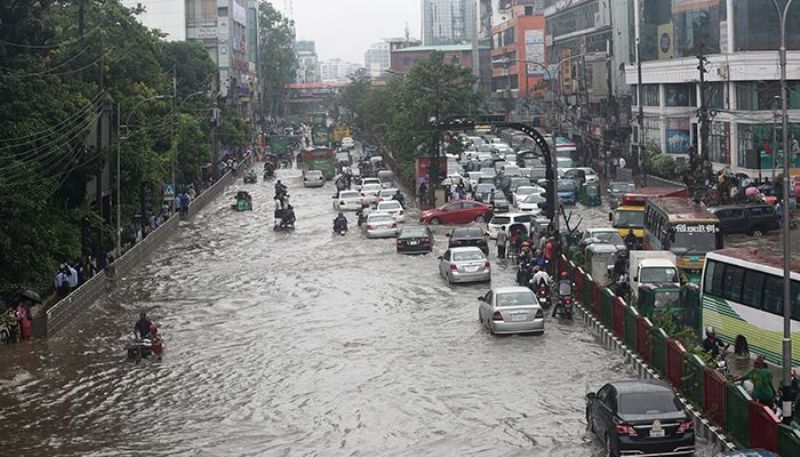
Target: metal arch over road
{"points": [[499, 121]]}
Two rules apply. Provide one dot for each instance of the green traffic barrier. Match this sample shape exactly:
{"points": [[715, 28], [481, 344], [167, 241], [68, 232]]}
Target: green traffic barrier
{"points": [[788, 441], [658, 350], [737, 414], [607, 302], [693, 376], [630, 327]]}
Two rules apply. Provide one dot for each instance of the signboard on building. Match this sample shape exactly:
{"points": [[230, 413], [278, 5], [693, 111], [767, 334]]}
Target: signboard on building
{"points": [[666, 41], [206, 32], [239, 14], [534, 51], [566, 71], [678, 140]]}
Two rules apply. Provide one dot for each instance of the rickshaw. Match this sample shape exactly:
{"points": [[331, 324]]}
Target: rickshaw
{"points": [[600, 259], [251, 177], [244, 202], [589, 194], [271, 159]]}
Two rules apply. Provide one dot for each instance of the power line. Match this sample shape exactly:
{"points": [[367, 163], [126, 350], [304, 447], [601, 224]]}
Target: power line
{"points": [[61, 125], [50, 46]]}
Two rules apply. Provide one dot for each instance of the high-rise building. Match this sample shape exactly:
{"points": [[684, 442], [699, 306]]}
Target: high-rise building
{"points": [[377, 58], [307, 62], [336, 70], [448, 21], [168, 16]]}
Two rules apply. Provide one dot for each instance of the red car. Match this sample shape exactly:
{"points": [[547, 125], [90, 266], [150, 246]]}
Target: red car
{"points": [[457, 212]]}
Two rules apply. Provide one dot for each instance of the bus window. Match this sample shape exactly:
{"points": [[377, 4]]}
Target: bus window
{"points": [[732, 283], [708, 282], [716, 280], [773, 295], [753, 288]]}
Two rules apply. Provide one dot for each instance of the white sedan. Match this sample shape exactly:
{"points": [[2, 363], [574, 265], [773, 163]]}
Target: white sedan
{"points": [[524, 191], [386, 194], [347, 200], [379, 225], [370, 192], [530, 203], [392, 207]]}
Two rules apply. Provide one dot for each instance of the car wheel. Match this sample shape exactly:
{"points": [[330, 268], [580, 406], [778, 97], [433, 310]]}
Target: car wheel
{"points": [[609, 449], [480, 219], [757, 232], [435, 221]]}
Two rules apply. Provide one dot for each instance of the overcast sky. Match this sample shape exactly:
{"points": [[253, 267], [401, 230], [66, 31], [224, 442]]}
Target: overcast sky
{"points": [[345, 28]]}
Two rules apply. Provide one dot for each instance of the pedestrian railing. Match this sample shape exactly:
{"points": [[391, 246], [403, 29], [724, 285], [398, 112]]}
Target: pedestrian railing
{"points": [[724, 405]]}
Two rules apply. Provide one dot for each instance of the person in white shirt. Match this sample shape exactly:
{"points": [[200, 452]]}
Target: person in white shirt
{"points": [[540, 276]]}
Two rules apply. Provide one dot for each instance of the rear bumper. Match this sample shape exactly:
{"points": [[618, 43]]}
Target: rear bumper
{"points": [[313, 183], [478, 276], [381, 233], [417, 249], [659, 447], [506, 328]]}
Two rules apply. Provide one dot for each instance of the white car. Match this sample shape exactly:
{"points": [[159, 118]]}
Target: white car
{"points": [[474, 177], [588, 174], [506, 220], [591, 175], [370, 180], [530, 204], [313, 178], [386, 194], [379, 225], [348, 142], [347, 200], [392, 207], [370, 192], [524, 191]]}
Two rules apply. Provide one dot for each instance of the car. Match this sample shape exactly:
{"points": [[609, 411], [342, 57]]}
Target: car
{"points": [[562, 163], [468, 236], [370, 192], [510, 310], [506, 220], [370, 180], [748, 453], [457, 212], [386, 194], [590, 176], [344, 157], [517, 182], [640, 417], [414, 239], [538, 176], [313, 178], [530, 203], [500, 203], [510, 170], [392, 207], [347, 200], [753, 219], [524, 191], [474, 176], [483, 192], [379, 225], [616, 189], [567, 191], [602, 235], [465, 264], [488, 172], [348, 142]]}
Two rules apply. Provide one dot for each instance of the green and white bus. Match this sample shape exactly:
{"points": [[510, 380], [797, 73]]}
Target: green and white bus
{"points": [[742, 294]]}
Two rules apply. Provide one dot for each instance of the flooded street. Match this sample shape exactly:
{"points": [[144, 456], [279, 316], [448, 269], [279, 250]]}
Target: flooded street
{"points": [[300, 344]]}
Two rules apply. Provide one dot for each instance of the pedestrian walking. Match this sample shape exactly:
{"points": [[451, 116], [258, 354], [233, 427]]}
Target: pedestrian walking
{"points": [[502, 239]]}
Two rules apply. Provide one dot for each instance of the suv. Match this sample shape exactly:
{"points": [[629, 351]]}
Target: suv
{"points": [[468, 236], [753, 220]]}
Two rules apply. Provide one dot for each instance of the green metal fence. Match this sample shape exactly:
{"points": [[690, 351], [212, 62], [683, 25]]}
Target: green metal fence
{"points": [[693, 379], [607, 301], [737, 412], [788, 441], [658, 350], [630, 327], [587, 291]]}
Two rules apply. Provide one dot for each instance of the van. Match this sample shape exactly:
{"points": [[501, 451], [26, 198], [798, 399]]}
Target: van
{"points": [[753, 219], [386, 178]]}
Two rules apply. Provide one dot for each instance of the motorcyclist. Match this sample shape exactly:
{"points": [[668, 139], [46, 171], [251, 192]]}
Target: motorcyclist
{"points": [[340, 222], [564, 289], [363, 213], [712, 343], [630, 240], [280, 189], [540, 277], [399, 197], [141, 329], [288, 217]]}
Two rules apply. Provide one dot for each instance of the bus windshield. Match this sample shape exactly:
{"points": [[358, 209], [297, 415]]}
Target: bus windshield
{"points": [[628, 219], [694, 243]]}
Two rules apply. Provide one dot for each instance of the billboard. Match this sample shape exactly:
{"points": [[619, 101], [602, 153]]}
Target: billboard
{"points": [[423, 166], [534, 51]]}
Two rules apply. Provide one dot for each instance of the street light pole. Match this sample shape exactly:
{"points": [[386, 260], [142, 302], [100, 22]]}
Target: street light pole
{"points": [[787, 296]]}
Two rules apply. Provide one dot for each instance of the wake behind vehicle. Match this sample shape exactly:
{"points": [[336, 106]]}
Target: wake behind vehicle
{"points": [[379, 225], [641, 417], [510, 310], [347, 200]]}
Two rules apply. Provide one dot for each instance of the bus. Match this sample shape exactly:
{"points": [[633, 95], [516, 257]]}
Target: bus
{"points": [[742, 294], [685, 228], [322, 159], [629, 214]]}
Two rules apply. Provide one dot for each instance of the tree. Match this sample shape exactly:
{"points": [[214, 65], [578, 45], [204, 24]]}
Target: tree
{"points": [[277, 60]]}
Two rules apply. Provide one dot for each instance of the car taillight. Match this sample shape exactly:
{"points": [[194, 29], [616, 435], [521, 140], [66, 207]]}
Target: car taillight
{"points": [[626, 429], [370, 227], [394, 225], [399, 242], [453, 267], [686, 426], [539, 314], [542, 293], [568, 301], [497, 316], [486, 265], [426, 241]]}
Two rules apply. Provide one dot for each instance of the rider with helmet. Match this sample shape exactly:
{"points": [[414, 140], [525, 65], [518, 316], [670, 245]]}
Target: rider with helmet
{"points": [[712, 343], [142, 328], [399, 197], [564, 289], [340, 222]]}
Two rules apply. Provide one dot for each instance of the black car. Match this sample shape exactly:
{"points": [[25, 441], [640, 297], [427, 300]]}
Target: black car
{"points": [[616, 189], [414, 239], [640, 417], [468, 236], [500, 203], [753, 219]]}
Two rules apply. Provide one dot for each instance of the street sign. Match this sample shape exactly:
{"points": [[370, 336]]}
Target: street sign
{"points": [[169, 192]]}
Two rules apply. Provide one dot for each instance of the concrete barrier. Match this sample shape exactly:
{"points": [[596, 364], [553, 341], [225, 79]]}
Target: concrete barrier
{"points": [[606, 337]]}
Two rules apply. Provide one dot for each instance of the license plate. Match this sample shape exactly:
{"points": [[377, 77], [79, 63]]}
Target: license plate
{"points": [[518, 317], [413, 243], [657, 433], [472, 269]]}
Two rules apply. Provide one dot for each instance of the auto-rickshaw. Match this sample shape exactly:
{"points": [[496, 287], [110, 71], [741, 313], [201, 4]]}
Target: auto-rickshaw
{"points": [[600, 259], [590, 194], [244, 202], [664, 297]]}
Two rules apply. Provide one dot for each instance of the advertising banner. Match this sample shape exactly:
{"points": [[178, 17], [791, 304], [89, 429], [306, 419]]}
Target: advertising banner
{"points": [[534, 51], [423, 166], [239, 14], [665, 41]]}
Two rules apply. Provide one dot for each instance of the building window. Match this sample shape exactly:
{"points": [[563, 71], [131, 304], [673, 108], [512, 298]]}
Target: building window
{"points": [[508, 36], [650, 95], [680, 28], [678, 139], [752, 139], [715, 95], [680, 95], [757, 24], [719, 143], [209, 9], [223, 12], [765, 95]]}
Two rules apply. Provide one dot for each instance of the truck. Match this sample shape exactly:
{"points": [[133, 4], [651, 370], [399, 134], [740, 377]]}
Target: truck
{"points": [[629, 215], [340, 132], [322, 159], [652, 267]]}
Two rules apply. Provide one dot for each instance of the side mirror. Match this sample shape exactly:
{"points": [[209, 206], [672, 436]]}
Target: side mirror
{"points": [[636, 278], [440, 257], [481, 298], [610, 217], [591, 396], [447, 235]]}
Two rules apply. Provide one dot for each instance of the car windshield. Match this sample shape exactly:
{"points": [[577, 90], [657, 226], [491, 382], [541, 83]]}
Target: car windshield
{"points": [[386, 192], [526, 190], [459, 256], [609, 237], [621, 187], [500, 220], [628, 219], [658, 274], [352, 194], [391, 206], [470, 232], [412, 232], [695, 243], [534, 198], [514, 299], [380, 218], [488, 172], [371, 188], [648, 403], [566, 185], [485, 187]]}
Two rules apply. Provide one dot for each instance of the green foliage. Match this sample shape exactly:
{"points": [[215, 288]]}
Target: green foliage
{"points": [[666, 321], [276, 57]]}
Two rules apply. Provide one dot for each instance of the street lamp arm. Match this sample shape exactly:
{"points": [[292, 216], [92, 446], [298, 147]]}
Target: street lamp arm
{"points": [[140, 102]]}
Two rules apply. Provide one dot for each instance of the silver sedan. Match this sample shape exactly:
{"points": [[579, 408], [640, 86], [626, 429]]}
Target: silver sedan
{"points": [[380, 225], [465, 264], [508, 310]]}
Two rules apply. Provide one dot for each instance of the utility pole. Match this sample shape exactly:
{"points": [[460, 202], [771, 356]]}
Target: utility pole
{"points": [[703, 118], [637, 166], [173, 146], [117, 239], [99, 135], [774, 137]]}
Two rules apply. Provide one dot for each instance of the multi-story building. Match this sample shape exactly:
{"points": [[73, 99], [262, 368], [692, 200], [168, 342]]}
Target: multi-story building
{"points": [[447, 22], [585, 52], [307, 62], [404, 59], [336, 70], [168, 16], [740, 40], [377, 58]]}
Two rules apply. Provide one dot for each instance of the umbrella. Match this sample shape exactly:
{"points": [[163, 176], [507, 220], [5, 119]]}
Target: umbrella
{"points": [[750, 191], [30, 295]]}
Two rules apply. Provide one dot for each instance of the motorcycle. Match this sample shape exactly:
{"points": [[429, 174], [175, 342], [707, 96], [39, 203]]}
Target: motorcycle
{"points": [[340, 228], [543, 297], [566, 307], [10, 331]]}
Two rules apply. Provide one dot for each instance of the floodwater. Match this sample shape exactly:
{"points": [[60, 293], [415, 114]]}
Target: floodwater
{"points": [[300, 344]]}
